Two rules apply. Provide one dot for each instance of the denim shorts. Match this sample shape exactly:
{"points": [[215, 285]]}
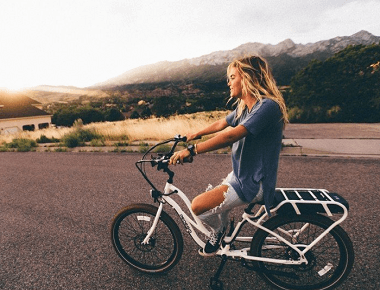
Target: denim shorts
{"points": [[217, 217]]}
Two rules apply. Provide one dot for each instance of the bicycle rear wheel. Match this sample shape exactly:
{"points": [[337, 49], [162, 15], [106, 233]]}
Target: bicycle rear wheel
{"points": [[329, 261], [128, 230]]}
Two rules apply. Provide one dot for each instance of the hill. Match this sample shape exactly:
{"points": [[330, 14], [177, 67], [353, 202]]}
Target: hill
{"points": [[286, 58], [54, 94]]}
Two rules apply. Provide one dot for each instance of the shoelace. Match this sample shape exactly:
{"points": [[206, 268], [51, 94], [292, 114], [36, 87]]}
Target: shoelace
{"points": [[213, 239]]}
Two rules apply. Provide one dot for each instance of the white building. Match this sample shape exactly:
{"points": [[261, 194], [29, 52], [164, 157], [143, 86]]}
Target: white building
{"points": [[18, 113]]}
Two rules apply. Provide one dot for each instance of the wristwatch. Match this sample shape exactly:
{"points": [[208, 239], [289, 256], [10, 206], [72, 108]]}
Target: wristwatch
{"points": [[191, 149]]}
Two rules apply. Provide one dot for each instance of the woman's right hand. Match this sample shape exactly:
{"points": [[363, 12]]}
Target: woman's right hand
{"points": [[181, 157]]}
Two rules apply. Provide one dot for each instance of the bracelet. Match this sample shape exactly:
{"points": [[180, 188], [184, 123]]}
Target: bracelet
{"points": [[196, 149]]}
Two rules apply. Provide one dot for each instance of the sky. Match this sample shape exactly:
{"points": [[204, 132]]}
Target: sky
{"points": [[83, 42]]}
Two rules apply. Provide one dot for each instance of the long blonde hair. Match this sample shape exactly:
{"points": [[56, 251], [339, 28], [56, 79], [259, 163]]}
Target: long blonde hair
{"points": [[258, 81]]}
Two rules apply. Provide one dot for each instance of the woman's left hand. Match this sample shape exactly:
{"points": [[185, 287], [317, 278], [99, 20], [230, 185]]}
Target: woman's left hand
{"points": [[181, 156]]}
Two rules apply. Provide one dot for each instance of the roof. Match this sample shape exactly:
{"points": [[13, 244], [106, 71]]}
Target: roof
{"points": [[18, 106]]}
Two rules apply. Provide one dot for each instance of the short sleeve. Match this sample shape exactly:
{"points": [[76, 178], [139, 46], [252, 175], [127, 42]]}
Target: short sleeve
{"points": [[231, 120], [266, 114]]}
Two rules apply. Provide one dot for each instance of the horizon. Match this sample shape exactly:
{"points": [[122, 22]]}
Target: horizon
{"points": [[82, 43], [68, 87]]}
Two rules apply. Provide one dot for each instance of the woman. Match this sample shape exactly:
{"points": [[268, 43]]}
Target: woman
{"points": [[256, 134]]}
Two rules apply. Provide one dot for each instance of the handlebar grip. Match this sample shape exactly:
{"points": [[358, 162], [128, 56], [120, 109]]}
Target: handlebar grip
{"points": [[184, 138], [187, 160], [180, 138]]}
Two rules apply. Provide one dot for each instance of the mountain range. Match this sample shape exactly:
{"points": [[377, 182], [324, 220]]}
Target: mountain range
{"points": [[285, 58]]}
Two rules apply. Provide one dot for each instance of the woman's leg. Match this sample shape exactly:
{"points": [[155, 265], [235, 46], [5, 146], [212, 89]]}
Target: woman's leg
{"points": [[204, 204], [208, 200], [213, 206]]}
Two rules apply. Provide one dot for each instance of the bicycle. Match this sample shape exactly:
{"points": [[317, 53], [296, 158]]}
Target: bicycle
{"points": [[299, 246]]}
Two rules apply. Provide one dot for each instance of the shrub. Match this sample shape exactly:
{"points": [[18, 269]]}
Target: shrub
{"points": [[97, 142], [71, 140], [295, 114], [60, 149], [135, 115], [44, 139], [3, 147], [164, 148], [121, 143], [79, 137], [143, 147], [22, 145]]}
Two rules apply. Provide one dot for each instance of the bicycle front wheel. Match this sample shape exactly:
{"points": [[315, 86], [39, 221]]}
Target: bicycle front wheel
{"points": [[329, 261], [128, 230]]}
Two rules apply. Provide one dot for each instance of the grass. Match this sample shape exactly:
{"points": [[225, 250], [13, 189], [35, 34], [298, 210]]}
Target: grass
{"points": [[155, 128], [121, 133], [21, 145]]}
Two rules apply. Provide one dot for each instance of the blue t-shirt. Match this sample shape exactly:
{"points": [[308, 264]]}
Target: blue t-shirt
{"points": [[255, 157]]}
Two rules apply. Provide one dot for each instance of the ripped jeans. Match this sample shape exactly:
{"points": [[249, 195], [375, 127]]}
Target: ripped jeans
{"points": [[217, 217]]}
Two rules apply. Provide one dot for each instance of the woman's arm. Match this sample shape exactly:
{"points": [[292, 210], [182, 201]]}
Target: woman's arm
{"points": [[221, 140], [213, 128]]}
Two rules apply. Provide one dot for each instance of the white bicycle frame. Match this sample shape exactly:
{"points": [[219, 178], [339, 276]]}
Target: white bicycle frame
{"points": [[195, 222]]}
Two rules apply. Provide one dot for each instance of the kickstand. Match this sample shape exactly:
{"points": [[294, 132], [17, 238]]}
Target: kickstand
{"points": [[215, 283]]}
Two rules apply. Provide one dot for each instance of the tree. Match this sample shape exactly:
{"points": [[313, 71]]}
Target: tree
{"points": [[113, 114], [166, 106], [90, 115], [67, 116], [343, 88]]}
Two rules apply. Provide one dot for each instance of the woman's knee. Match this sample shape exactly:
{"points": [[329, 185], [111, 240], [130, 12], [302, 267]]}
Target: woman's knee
{"points": [[208, 200], [196, 206]]}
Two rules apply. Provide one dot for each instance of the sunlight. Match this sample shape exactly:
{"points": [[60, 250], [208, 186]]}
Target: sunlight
{"points": [[13, 89]]}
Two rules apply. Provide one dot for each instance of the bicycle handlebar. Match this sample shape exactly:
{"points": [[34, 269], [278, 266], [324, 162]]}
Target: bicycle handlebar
{"points": [[162, 160]]}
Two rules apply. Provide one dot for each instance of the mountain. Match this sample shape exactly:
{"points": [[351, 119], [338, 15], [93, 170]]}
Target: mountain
{"points": [[285, 58], [50, 94]]}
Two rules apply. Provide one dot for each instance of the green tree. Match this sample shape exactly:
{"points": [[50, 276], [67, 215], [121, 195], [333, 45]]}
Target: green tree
{"points": [[90, 115], [135, 115], [343, 88], [66, 116], [113, 114], [166, 106]]}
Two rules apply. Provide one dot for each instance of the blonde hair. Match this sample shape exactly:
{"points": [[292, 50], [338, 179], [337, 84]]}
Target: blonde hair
{"points": [[257, 81]]}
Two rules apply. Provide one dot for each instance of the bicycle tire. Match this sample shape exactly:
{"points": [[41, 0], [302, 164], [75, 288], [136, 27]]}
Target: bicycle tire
{"points": [[329, 261], [129, 228]]}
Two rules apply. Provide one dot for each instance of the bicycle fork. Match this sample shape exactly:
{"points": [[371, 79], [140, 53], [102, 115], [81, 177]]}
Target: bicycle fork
{"points": [[153, 227]]}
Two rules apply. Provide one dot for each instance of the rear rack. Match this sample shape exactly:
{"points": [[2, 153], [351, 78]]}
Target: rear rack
{"points": [[309, 201]]}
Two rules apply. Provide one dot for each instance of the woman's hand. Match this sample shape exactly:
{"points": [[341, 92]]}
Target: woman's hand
{"points": [[191, 137], [181, 156]]}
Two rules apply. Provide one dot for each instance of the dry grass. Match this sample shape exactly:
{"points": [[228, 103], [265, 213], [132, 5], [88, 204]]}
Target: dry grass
{"points": [[133, 130]]}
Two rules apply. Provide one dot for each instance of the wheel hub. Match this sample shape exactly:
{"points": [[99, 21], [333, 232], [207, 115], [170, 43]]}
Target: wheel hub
{"points": [[310, 257], [138, 240]]}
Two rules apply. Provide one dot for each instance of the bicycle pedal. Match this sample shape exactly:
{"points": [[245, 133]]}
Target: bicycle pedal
{"points": [[201, 253]]}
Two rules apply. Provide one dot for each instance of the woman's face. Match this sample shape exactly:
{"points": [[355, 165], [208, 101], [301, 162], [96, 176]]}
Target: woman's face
{"points": [[234, 82]]}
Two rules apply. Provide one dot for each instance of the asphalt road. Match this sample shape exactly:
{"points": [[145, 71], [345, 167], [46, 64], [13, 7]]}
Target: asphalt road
{"points": [[56, 209]]}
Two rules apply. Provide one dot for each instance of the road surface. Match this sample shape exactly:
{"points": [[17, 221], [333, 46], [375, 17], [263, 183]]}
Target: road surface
{"points": [[56, 209]]}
